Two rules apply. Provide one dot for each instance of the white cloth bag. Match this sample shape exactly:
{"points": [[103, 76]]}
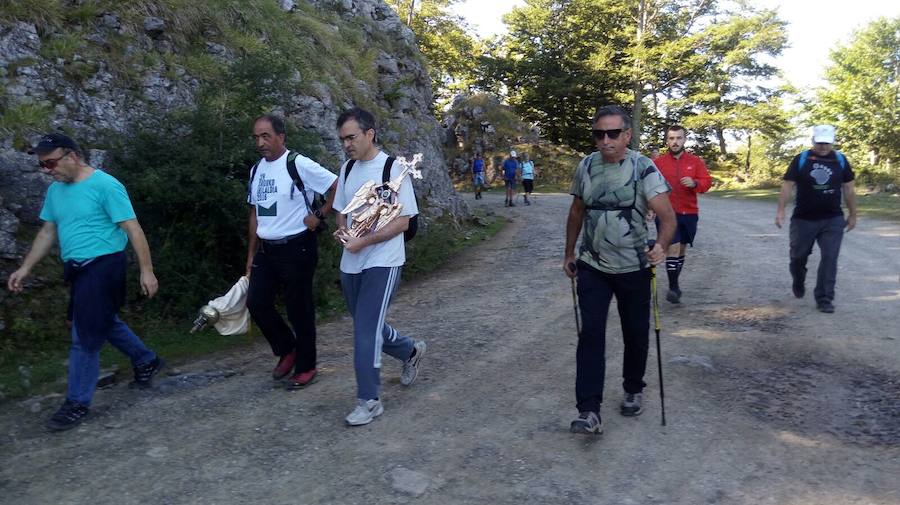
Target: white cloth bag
{"points": [[234, 318]]}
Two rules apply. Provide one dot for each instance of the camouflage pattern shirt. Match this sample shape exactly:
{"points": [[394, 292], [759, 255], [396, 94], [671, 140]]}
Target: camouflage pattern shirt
{"points": [[615, 195]]}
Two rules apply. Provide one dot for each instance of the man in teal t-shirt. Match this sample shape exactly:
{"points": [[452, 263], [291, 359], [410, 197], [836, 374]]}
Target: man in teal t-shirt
{"points": [[90, 213]]}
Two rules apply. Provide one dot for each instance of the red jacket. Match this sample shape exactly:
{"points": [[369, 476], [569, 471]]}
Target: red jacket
{"points": [[684, 200]]}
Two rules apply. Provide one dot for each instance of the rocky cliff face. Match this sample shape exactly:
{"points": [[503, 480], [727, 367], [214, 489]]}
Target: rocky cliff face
{"points": [[45, 84]]}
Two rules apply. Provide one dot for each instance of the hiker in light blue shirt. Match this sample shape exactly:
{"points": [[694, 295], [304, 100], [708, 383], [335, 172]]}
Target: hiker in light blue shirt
{"points": [[528, 173]]}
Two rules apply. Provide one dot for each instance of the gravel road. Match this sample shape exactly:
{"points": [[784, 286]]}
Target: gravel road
{"points": [[768, 400]]}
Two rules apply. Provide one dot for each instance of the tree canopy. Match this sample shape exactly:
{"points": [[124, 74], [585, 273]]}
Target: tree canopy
{"points": [[862, 98]]}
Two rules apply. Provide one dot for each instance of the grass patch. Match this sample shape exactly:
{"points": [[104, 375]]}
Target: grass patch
{"points": [[879, 205]]}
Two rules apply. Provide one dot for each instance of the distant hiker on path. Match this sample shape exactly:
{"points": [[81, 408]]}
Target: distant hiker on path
{"points": [[820, 175], [371, 266], [283, 248], [528, 173], [510, 169], [687, 175], [478, 174], [90, 213], [613, 189]]}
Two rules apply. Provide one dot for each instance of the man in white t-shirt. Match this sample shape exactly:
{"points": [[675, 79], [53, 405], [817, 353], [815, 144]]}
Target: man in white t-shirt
{"points": [[283, 249], [370, 267]]}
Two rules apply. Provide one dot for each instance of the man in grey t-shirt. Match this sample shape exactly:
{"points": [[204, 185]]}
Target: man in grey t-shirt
{"points": [[612, 191]]}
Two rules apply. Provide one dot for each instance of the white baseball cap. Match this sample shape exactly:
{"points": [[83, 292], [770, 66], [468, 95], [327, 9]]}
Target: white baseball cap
{"points": [[512, 154], [823, 134]]}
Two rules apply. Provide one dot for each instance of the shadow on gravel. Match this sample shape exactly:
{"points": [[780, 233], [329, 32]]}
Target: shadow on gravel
{"points": [[853, 403]]}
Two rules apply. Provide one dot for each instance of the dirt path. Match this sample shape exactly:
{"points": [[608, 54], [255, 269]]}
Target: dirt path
{"points": [[768, 401]]}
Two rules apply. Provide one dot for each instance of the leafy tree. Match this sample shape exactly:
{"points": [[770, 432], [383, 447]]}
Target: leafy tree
{"points": [[443, 39], [559, 61], [674, 59], [862, 98]]}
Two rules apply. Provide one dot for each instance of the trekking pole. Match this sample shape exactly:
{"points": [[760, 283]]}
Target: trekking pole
{"points": [[575, 301], [662, 396]]}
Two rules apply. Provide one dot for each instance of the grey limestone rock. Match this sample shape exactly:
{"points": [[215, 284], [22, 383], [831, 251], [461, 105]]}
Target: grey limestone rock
{"points": [[18, 41]]}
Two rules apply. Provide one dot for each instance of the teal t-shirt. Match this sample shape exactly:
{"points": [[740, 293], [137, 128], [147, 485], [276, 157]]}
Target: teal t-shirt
{"points": [[86, 214]]}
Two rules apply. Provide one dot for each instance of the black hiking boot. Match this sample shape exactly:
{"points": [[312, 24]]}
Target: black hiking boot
{"points": [[798, 289], [674, 295], [826, 307], [69, 415], [143, 375]]}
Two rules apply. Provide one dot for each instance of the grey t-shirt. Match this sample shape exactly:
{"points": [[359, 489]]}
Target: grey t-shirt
{"points": [[615, 195]]}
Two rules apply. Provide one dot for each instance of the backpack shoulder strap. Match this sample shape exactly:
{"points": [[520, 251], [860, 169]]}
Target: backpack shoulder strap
{"points": [[386, 172], [252, 175], [292, 171], [802, 161], [347, 170], [841, 159]]}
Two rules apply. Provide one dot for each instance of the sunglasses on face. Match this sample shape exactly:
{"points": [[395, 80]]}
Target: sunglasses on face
{"points": [[612, 134], [50, 164]]}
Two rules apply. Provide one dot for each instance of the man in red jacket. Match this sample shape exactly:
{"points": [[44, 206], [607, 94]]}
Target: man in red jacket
{"points": [[688, 176]]}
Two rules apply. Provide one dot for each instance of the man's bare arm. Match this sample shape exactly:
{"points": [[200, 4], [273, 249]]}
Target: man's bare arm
{"points": [[40, 247]]}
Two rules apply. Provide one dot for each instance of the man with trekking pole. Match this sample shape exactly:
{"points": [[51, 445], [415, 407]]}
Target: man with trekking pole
{"points": [[613, 189]]}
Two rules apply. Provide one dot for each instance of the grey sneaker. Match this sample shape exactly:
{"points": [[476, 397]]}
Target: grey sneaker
{"points": [[631, 405], [365, 412], [411, 366], [586, 422]]}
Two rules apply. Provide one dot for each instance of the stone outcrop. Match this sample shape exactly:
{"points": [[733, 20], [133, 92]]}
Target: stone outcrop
{"points": [[100, 102]]}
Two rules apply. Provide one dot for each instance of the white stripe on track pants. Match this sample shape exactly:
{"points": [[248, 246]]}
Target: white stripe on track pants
{"points": [[368, 296]]}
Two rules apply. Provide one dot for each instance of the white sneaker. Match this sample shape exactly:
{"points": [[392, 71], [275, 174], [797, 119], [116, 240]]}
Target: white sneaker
{"points": [[411, 366], [365, 412]]}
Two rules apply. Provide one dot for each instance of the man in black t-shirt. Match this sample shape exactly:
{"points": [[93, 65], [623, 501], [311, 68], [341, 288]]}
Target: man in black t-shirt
{"points": [[821, 176]]}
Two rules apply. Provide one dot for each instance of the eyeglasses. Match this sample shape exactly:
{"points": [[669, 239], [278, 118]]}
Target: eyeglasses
{"points": [[612, 134], [50, 164], [353, 136]]}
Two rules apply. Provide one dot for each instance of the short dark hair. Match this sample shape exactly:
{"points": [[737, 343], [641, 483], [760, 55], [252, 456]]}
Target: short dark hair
{"points": [[276, 121], [612, 110], [364, 118], [676, 128]]}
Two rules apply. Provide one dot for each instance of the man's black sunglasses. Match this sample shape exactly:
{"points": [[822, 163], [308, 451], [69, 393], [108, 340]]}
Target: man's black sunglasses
{"points": [[612, 134]]}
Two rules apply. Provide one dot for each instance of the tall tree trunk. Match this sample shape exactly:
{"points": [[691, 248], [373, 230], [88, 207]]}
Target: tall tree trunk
{"points": [[749, 148], [409, 17], [638, 85], [723, 147]]}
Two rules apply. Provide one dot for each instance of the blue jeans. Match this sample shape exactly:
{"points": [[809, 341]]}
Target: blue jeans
{"points": [[84, 362], [97, 293]]}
